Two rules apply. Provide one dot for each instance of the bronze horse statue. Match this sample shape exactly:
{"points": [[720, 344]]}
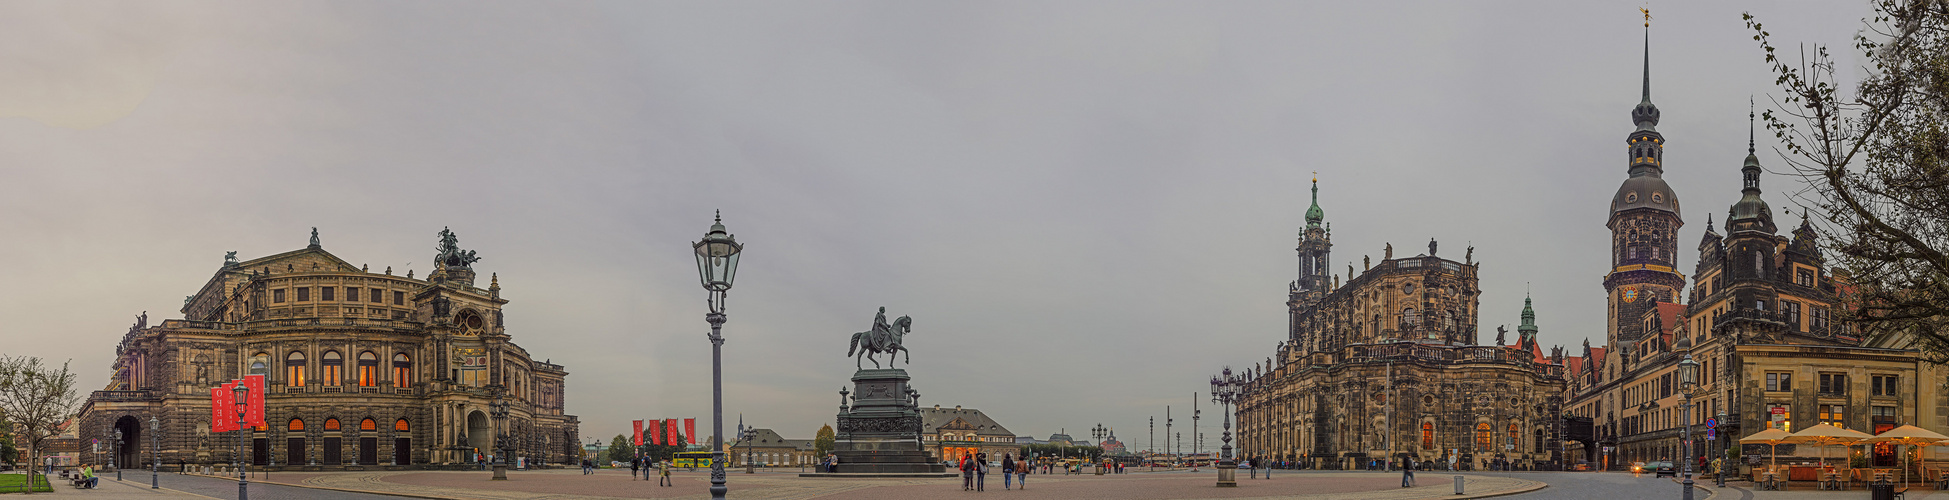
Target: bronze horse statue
{"points": [[881, 339]]}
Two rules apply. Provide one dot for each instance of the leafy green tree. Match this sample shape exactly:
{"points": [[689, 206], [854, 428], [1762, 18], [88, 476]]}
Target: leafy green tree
{"points": [[620, 450], [823, 441], [1876, 165], [37, 399], [665, 451]]}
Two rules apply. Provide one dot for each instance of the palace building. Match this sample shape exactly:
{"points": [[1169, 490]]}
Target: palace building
{"points": [[952, 433], [362, 369], [1759, 320], [1387, 366]]}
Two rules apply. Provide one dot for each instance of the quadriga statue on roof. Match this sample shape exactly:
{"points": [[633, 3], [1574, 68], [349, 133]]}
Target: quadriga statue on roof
{"points": [[883, 338]]}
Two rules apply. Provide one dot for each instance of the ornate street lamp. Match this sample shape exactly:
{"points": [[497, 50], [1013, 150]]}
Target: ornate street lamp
{"points": [[117, 452], [241, 395], [750, 440], [1720, 474], [499, 410], [1225, 390], [155, 453], [717, 266], [1688, 382]]}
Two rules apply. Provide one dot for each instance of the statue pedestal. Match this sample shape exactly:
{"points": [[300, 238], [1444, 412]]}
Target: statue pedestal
{"points": [[1227, 474], [879, 434]]}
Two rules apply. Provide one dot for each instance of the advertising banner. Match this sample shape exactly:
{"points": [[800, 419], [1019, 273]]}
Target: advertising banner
{"points": [[223, 411], [255, 413], [690, 430], [637, 439]]}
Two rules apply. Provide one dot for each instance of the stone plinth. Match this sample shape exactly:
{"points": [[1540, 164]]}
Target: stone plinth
{"points": [[879, 433]]}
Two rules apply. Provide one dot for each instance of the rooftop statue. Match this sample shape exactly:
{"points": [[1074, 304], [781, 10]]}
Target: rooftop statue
{"points": [[450, 253], [882, 338]]}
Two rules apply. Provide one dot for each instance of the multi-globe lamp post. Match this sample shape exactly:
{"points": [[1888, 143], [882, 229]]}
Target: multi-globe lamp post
{"points": [[1688, 383], [155, 453], [117, 452], [241, 396], [717, 266], [1225, 390], [499, 410]]}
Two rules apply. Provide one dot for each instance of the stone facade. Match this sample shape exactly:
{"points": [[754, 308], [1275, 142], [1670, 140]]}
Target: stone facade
{"points": [[1759, 320], [363, 368], [1386, 366], [951, 433]]}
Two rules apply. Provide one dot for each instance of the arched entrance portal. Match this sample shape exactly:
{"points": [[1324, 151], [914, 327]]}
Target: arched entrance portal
{"points": [[480, 435], [131, 451]]}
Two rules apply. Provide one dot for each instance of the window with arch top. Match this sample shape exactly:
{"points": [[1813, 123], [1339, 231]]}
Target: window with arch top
{"points": [[402, 371], [297, 424], [370, 425], [400, 425], [334, 365], [368, 369], [331, 424], [294, 369], [1484, 436]]}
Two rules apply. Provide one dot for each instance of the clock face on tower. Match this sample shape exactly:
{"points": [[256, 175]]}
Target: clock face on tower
{"points": [[1630, 295]]}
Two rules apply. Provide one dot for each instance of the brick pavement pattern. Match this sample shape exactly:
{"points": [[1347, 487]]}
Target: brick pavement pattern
{"points": [[570, 484]]}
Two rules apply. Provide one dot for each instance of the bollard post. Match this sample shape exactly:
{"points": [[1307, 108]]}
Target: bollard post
{"points": [[1458, 485]]}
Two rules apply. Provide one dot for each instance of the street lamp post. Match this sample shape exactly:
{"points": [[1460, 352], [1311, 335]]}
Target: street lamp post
{"points": [[1688, 381], [750, 440], [115, 451], [241, 394], [155, 453], [499, 410], [717, 266], [1225, 390], [1719, 475]]}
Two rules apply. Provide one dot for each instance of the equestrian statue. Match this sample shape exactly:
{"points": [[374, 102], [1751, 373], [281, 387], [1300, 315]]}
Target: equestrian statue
{"points": [[883, 338]]}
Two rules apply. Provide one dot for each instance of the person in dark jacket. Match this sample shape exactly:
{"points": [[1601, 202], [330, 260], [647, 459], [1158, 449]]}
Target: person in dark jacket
{"points": [[1008, 469], [967, 473]]}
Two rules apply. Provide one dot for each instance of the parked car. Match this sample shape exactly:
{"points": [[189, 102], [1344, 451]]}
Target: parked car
{"points": [[1664, 469]]}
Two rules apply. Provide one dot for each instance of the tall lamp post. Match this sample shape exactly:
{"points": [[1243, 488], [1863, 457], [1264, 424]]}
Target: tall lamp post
{"points": [[1688, 382], [499, 410], [116, 453], [241, 395], [717, 266], [1225, 390], [750, 440], [155, 453], [1719, 475]]}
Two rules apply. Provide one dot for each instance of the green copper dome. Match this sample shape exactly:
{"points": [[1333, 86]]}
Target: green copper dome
{"points": [[1528, 328], [1314, 215]]}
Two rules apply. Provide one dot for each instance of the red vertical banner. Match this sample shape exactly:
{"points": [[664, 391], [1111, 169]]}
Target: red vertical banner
{"points": [[670, 430], [255, 413], [690, 430], [656, 432], [638, 424], [223, 410]]}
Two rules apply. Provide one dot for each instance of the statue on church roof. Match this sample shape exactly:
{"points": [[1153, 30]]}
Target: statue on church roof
{"points": [[230, 258], [314, 237], [450, 253], [1431, 247]]}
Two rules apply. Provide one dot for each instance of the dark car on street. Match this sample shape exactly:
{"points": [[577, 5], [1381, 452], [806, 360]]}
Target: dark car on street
{"points": [[1663, 469]]}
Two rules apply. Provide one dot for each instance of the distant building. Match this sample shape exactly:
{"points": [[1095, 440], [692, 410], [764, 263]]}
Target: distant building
{"points": [[951, 433], [768, 448]]}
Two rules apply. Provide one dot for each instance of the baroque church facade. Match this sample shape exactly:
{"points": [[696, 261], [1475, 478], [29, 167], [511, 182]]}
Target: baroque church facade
{"points": [[1759, 320], [363, 369], [1387, 366]]}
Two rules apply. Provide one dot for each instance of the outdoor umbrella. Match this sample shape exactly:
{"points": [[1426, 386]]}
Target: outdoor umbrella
{"points": [[1823, 435], [1907, 435], [1770, 437]]}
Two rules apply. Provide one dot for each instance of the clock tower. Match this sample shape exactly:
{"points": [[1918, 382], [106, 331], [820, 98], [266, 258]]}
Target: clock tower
{"points": [[1644, 226]]}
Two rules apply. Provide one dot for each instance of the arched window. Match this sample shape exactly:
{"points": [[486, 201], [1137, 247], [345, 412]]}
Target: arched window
{"points": [[369, 425], [294, 369], [1409, 318], [368, 369], [1427, 435], [1513, 437], [1484, 436], [331, 424], [334, 367], [400, 425], [297, 425], [402, 371], [260, 364]]}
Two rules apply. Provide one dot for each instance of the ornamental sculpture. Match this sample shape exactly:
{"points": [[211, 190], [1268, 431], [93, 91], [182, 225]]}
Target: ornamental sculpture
{"points": [[883, 338]]}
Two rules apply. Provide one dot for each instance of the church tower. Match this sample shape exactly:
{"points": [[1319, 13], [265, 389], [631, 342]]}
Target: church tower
{"points": [[1644, 226], [1315, 251]]}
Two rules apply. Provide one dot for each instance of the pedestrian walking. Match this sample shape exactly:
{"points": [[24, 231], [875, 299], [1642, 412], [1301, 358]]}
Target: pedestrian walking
{"points": [[663, 469], [1022, 475], [967, 473], [634, 465], [981, 470], [1008, 468], [1407, 474]]}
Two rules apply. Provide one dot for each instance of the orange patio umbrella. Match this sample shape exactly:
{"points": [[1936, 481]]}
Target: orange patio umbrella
{"points": [[1907, 435], [1824, 435], [1770, 437]]}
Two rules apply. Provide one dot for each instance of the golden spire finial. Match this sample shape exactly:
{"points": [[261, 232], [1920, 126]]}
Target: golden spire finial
{"points": [[1316, 176], [1647, 16]]}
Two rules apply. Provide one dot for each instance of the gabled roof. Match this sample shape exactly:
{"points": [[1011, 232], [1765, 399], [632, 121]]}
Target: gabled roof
{"points": [[307, 256], [933, 418], [1668, 314]]}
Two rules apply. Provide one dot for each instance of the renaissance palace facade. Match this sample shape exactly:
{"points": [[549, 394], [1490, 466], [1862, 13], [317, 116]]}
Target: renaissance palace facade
{"points": [[362, 369]]}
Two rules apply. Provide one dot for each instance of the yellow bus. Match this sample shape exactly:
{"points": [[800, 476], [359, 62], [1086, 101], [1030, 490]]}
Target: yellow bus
{"points": [[692, 459]]}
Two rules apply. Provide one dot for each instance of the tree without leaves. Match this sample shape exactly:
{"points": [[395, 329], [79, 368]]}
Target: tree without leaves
{"points": [[1877, 167], [36, 399]]}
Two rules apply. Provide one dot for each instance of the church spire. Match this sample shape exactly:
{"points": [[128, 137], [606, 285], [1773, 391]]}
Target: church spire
{"points": [[1314, 215], [1527, 330], [1645, 115]]}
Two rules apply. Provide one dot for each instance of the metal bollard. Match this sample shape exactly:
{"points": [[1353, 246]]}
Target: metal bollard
{"points": [[1458, 485]]}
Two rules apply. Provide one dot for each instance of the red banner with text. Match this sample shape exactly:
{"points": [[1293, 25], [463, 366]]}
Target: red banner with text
{"points": [[656, 432], [255, 413], [637, 440], [690, 430], [223, 411]]}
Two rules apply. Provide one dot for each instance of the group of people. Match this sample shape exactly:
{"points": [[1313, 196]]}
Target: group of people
{"points": [[830, 464], [645, 464], [974, 472]]}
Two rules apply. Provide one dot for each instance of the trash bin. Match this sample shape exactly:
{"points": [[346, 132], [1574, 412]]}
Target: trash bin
{"points": [[1881, 490]]}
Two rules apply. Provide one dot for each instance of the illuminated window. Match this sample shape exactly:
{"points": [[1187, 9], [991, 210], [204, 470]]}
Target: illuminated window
{"points": [[297, 425], [1512, 434], [294, 369], [1427, 435], [368, 425], [331, 424], [402, 371], [1484, 436], [1833, 415], [368, 369], [334, 367], [400, 425]]}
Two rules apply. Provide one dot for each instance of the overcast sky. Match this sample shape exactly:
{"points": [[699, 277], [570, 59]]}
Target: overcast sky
{"points": [[1088, 208]]}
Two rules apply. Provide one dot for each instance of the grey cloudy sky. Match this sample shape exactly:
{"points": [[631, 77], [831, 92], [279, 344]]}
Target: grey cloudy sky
{"points": [[1087, 207]]}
